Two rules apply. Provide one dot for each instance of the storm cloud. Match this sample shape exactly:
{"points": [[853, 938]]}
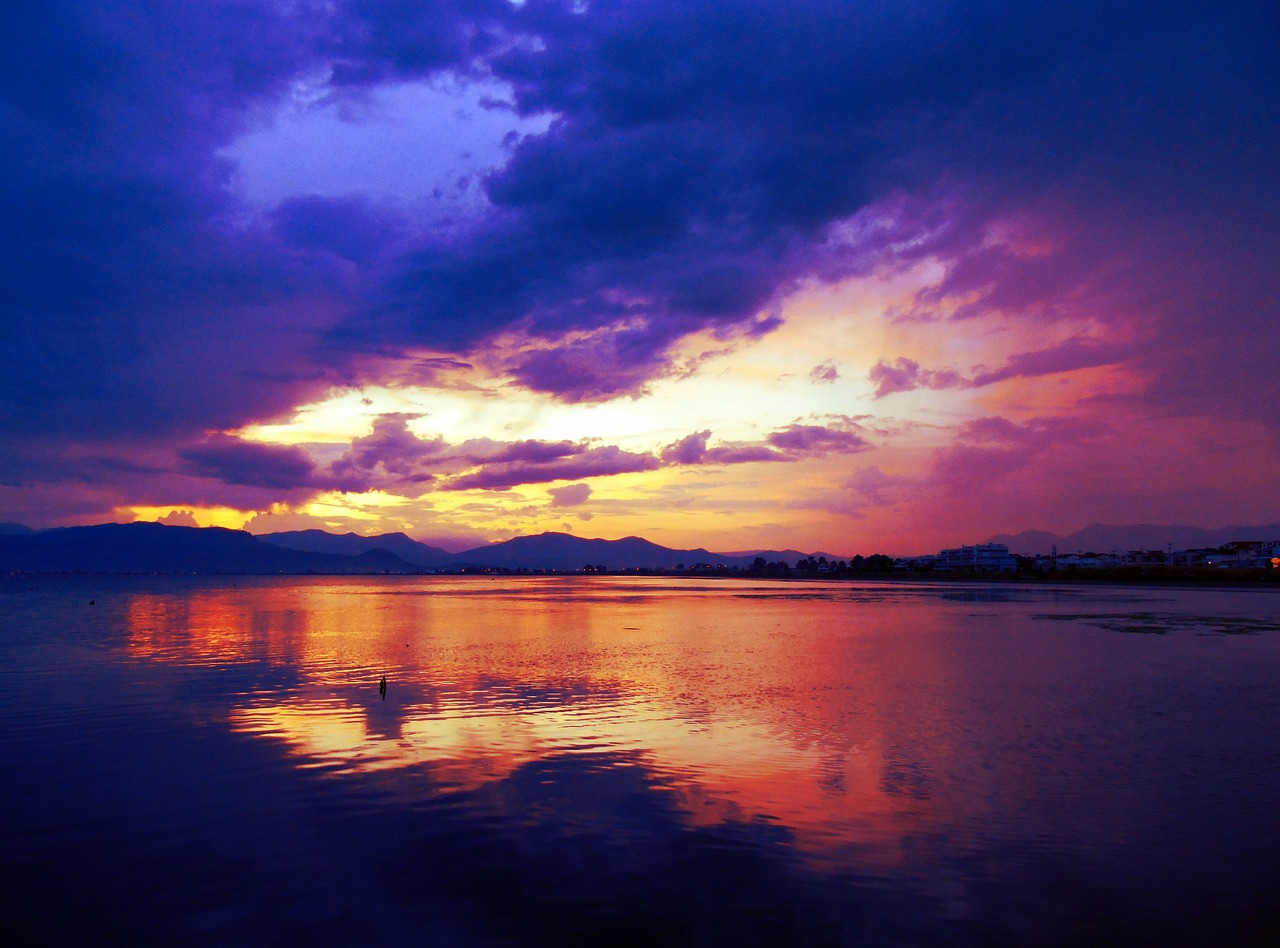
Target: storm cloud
{"points": [[671, 168]]}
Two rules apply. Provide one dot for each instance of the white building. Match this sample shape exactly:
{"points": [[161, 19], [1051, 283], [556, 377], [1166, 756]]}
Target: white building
{"points": [[979, 558]]}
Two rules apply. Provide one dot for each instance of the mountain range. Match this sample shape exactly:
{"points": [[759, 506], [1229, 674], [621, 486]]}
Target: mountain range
{"points": [[1105, 537], [159, 548], [552, 551], [352, 544]]}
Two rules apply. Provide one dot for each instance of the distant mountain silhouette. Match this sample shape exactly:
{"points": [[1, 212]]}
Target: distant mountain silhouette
{"points": [[161, 548], [158, 548], [1029, 542], [1104, 537], [352, 544], [787, 556], [563, 551]]}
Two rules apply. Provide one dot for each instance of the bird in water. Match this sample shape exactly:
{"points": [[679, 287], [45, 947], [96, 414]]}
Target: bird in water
{"points": [[382, 687]]}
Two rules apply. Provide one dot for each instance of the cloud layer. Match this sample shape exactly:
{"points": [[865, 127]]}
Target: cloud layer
{"points": [[1095, 184]]}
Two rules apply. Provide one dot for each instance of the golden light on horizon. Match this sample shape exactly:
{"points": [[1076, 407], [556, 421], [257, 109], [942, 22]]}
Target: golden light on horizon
{"points": [[216, 516]]}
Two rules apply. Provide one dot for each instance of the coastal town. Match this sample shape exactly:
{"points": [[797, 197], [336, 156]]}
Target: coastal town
{"points": [[996, 558]]}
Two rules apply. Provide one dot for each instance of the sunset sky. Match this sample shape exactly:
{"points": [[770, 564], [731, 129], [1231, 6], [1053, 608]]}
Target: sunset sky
{"points": [[851, 276]]}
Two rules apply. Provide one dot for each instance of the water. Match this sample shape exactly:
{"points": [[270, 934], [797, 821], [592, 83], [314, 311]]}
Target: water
{"points": [[636, 761]]}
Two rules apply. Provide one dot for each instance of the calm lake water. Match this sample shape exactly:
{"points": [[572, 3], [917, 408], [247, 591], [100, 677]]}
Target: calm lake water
{"points": [[636, 761]]}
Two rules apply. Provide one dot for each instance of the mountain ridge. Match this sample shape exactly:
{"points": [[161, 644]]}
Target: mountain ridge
{"points": [[564, 551], [146, 547], [160, 548], [352, 544], [1105, 537]]}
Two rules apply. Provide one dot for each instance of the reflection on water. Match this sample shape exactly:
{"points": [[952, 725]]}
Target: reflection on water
{"points": [[655, 761]]}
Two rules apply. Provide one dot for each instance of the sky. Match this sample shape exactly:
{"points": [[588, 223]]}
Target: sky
{"points": [[846, 276]]}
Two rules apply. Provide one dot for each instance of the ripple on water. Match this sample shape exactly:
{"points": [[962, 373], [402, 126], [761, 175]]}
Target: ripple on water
{"points": [[890, 764]]}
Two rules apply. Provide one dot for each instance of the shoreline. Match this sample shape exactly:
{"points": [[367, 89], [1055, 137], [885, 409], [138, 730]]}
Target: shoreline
{"points": [[1152, 577]]}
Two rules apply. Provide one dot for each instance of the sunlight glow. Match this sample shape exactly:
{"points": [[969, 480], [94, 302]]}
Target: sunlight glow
{"points": [[228, 517], [815, 368]]}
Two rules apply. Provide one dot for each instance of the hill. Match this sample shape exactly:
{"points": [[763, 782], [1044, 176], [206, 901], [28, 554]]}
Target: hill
{"points": [[158, 548], [352, 544], [563, 551], [787, 556], [1104, 537]]}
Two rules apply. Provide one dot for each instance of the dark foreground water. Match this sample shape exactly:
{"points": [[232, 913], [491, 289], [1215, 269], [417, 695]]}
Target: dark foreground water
{"points": [[619, 761]]}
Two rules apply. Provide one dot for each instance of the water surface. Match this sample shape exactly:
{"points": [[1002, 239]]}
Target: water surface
{"points": [[645, 761]]}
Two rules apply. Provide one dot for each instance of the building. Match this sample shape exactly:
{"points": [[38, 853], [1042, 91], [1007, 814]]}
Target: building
{"points": [[980, 558]]}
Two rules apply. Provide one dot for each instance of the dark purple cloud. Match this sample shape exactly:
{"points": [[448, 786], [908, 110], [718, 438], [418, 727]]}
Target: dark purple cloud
{"points": [[571, 495], [991, 450], [703, 159], [585, 462], [792, 443], [251, 464], [824, 374], [391, 457], [536, 452], [906, 375], [701, 152], [875, 488], [798, 439], [693, 450], [690, 449], [394, 458], [1077, 353], [606, 365], [349, 228]]}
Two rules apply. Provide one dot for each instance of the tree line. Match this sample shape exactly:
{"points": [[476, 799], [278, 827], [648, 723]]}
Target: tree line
{"points": [[875, 563]]}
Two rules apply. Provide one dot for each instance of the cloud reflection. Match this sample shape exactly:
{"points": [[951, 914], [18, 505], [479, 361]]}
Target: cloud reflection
{"points": [[485, 683]]}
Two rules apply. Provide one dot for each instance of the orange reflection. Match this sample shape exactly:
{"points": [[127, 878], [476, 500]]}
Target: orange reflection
{"points": [[743, 701]]}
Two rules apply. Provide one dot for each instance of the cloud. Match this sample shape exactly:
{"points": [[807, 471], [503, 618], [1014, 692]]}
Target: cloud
{"points": [[179, 518], [690, 449], [390, 457], [690, 167], [351, 228], [792, 443], [251, 464], [735, 453], [534, 452], [133, 309], [1073, 354], [1078, 352], [809, 440], [584, 462], [875, 488], [676, 192], [905, 375], [282, 519], [992, 450], [572, 495], [393, 458], [607, 364], [824, 374]]}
